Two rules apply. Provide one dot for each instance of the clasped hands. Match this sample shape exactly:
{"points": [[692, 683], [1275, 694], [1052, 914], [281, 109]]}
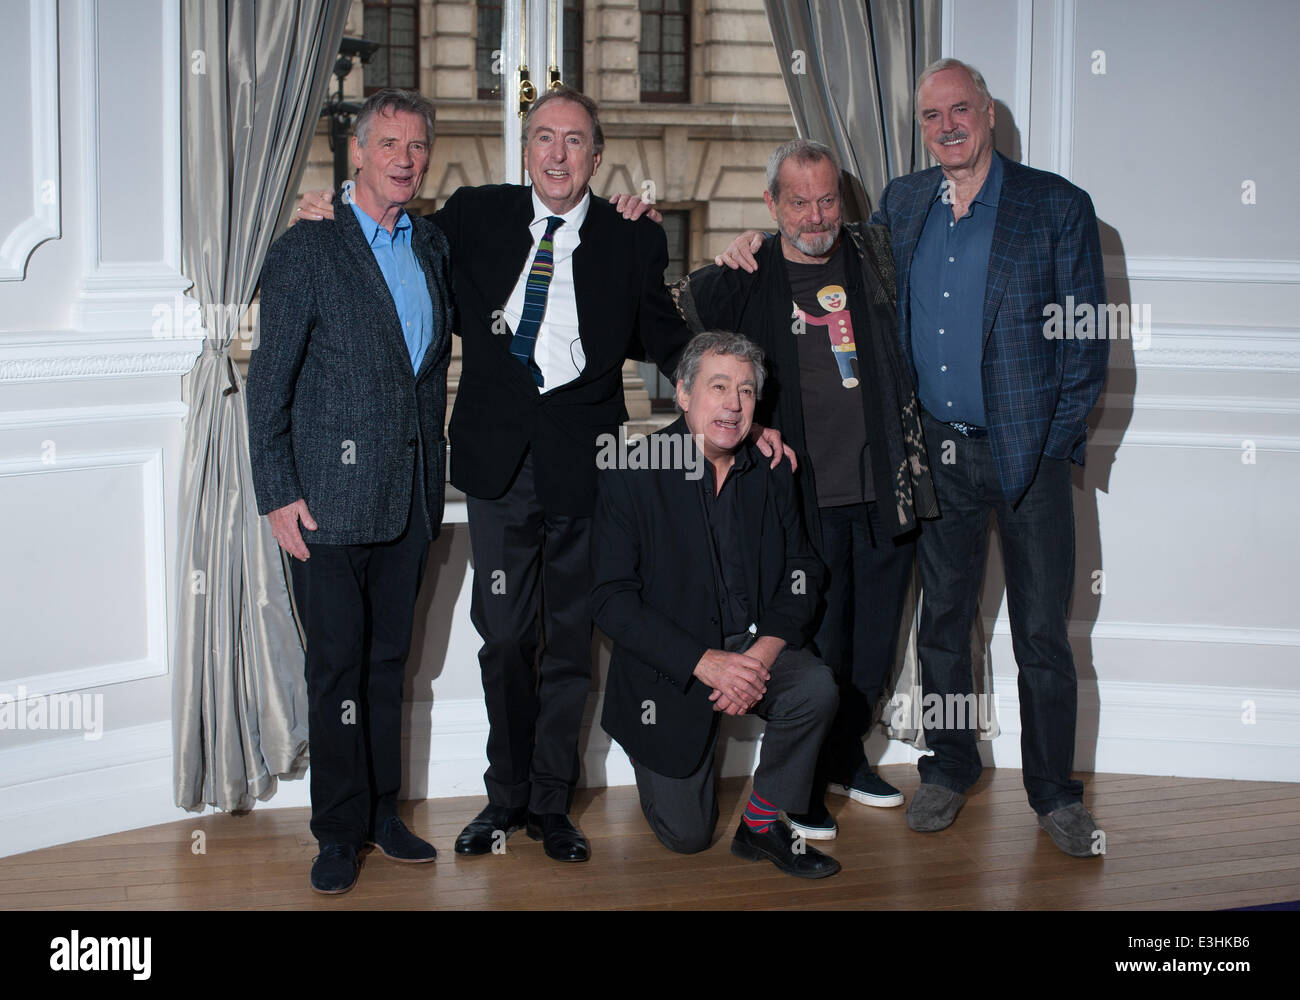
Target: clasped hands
{"points": [[739, 680]]}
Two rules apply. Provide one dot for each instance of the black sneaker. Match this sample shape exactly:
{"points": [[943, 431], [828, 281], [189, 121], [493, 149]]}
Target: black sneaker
{"points": [[334, 869], [816, 824], [869, 788]]}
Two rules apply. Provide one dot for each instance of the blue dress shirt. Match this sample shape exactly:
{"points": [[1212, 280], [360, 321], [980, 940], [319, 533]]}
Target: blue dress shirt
{"points": [[405, 279], [950, 269]]}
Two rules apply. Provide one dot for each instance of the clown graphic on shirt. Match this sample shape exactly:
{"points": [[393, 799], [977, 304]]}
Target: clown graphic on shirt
{"points": [[839, 328]]}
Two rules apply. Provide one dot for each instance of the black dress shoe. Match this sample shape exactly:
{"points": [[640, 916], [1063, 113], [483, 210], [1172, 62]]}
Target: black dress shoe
{"points": [[560, 838], [397, 843], [334, 869], [489, 828], [778, 846]]}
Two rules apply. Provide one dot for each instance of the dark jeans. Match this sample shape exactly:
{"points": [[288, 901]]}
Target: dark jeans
{"points": [[1038, 557], [532, 587], [357, 605], [866, 590]]}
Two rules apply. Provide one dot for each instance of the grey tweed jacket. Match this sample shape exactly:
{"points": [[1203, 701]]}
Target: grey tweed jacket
{"points": [[336, 416]]}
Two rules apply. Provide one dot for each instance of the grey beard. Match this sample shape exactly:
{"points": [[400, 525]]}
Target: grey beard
{"points": [[803, 244]]}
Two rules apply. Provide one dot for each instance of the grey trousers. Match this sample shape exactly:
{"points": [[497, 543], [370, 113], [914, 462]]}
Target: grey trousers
{"points": [[799, 705]]}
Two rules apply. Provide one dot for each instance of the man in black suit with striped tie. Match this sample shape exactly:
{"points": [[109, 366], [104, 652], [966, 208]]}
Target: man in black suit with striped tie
{"points": [[553, 289]]}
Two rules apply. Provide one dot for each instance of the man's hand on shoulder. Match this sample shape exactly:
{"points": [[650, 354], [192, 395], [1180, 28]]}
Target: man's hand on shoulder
{"points": [[284, 526], [741, 252], [632, 207], [739, 679], [314, 206], [769, 442]]}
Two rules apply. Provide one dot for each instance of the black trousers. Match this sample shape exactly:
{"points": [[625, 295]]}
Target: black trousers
{"points": [[531, 606], [798, 707], [357, 604], [866, 590]]}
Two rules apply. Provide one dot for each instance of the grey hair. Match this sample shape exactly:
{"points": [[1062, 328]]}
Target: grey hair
{"points": [[719, 342], [577, 97], [939, 66], [391, 102], [803, 151]]}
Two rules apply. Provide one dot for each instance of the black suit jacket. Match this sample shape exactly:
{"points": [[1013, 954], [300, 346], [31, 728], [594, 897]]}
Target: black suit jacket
{"points": [[500, 413], [336, 416], [654, 594]]}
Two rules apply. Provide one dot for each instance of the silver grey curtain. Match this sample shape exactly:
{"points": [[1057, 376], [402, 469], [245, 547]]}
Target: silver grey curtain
{"points": [[849, 67], [254, 75]]}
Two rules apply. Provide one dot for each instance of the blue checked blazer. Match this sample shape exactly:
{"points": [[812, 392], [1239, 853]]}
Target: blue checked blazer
{"points": [[1037, 391]]}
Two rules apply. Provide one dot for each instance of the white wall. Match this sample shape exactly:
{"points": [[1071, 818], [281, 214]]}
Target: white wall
{"points": [[1162, 110], [91, 419], [1196, 620]]}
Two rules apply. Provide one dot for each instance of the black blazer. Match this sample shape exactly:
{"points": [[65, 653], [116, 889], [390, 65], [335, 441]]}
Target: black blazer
{"points": [[655, 596], [335, 414], [500, 413]]}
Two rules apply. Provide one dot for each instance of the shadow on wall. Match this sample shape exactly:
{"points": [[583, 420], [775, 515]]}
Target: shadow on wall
{"points": [[435, 612]]}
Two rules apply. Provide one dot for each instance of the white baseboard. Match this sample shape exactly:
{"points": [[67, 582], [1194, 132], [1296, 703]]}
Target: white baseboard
{"points": [[72, 789]]}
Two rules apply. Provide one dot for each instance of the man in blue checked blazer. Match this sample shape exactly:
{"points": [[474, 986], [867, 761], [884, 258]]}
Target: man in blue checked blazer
{"points": [[993, 259]]}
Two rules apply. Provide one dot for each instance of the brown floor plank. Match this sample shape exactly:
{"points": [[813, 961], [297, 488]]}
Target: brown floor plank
{"points": [[1172, 843]]}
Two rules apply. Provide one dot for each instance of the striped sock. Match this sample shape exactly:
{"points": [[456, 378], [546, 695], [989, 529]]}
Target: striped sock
{"points": [[759, 814]]}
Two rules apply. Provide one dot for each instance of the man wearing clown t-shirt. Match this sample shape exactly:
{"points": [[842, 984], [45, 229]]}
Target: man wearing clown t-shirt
{"points": [[820, 304]]}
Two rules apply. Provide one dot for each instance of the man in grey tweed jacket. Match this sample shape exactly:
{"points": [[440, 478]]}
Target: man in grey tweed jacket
{"points": [[346, 397]]}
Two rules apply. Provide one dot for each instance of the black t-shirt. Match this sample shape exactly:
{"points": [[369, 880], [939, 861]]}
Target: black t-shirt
{"points": [[834, 427]]}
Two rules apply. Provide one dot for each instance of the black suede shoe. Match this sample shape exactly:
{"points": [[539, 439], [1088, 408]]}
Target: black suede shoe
{"points": [[489, 828], [787, 851], [560, 838], [397, 843], [334, 869]]}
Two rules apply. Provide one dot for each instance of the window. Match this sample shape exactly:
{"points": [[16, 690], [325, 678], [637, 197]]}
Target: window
{"points": [[677, 228], [394, 24], [571, 61], [489, 41], [665, 43], [487, 60]]}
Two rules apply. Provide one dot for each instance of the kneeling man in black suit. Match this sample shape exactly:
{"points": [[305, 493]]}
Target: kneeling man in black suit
{"points": [[706, 583]]}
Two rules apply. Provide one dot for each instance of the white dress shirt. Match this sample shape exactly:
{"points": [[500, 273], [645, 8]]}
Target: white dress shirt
{"points": [[558, 351]]}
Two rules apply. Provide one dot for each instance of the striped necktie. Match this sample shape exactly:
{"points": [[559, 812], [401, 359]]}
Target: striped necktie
{"points": [[539, 282]]}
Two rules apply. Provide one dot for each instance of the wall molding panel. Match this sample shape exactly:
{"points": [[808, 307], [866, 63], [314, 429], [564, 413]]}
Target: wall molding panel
{"points": [[1201, 269], [121, 295], [42, 165], [1225, 348], [83, 366], [1063, 48], [1228, 635], [149, 465]]}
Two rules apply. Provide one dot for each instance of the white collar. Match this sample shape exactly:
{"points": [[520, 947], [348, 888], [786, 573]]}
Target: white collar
{"points": [[573, 218]]}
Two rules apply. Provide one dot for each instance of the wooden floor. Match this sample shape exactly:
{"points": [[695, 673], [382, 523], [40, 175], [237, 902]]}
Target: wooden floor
{"points": [[1171, 843]]}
